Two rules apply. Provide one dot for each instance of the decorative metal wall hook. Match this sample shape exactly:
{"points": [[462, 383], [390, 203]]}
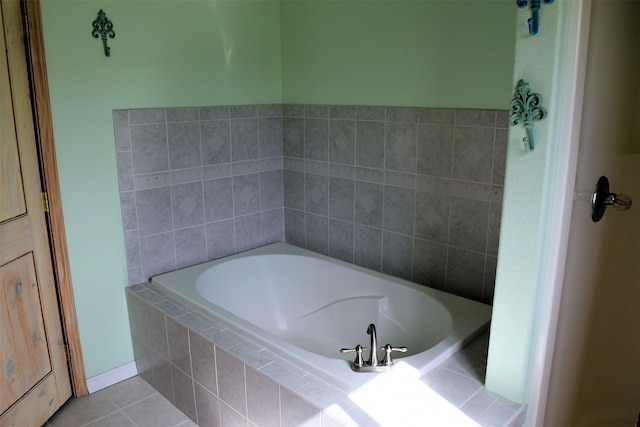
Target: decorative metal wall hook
{"points": [[102, 27], [535, 8], [525, 108]]}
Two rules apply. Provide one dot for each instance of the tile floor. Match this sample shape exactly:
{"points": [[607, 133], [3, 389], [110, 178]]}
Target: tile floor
{"points": [[134, 403], [130, 403]]}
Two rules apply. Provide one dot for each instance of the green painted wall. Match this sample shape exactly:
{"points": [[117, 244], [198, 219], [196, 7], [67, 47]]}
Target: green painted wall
{"points": [[433, 53], [528, 208], [165, 53], [430, 53]]}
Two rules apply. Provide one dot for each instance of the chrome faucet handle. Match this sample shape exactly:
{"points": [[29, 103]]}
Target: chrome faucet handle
{"points": [[388, 349], [359, 362]]}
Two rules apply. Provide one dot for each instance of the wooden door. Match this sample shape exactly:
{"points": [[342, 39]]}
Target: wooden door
{"points": [[34, 376]]}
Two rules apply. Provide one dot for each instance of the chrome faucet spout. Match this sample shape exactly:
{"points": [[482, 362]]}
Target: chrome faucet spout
{"points": [[373, 350]]}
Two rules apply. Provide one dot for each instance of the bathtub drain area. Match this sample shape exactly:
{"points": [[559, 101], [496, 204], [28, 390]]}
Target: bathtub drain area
{"points": [[217, 376]]}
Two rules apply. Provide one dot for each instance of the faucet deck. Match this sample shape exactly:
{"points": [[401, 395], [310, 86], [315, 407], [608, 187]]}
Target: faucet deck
{"points": [[372, 364]]}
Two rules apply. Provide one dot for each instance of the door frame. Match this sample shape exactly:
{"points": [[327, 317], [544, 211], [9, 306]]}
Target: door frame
{"points": [[565, 169], [36, 62]]}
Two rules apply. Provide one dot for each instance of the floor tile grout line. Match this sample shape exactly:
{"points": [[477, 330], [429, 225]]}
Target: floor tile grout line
{"points": [[119, 409], [147, 398], [140, 400], [100, 418], [128, 417]]}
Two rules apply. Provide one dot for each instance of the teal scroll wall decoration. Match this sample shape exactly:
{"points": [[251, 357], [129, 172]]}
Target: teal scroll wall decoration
{"points": [[526, 108], [103, 28], [534, 24]]}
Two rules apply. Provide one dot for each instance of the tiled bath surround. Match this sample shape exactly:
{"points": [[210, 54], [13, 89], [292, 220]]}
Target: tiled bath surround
{"points": [[412, 192], [217, 377], [198, 184]]}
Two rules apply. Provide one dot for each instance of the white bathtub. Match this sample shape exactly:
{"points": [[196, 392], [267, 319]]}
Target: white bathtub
{"points": [[306, 307]]}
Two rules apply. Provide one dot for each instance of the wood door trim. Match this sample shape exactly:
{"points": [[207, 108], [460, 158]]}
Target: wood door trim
{"points": [[55, 218]]}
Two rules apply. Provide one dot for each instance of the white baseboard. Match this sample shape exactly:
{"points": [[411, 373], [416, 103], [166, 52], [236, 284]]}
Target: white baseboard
{"points": [[111, 377]]}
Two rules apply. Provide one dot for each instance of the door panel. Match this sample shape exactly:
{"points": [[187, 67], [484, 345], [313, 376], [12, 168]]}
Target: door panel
{"points": [[15, 238], [24, 348], [12, 201], [34, 376]]}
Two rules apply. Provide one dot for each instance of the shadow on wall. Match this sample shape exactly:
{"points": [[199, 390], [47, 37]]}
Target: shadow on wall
{"points": [[413, 192]]}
